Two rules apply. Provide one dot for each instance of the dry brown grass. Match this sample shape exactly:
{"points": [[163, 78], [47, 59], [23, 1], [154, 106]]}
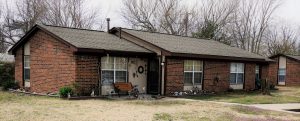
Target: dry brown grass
{"points": [[31, 108], [282, 95]]}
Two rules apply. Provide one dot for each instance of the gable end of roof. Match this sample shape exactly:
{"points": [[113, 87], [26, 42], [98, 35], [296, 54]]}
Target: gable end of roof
{"points": [[30, 33], [293, 57]]}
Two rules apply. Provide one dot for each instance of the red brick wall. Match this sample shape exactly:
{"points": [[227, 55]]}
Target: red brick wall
{"points": [[19, 67], [52, 64], [264, 71], [213, 69], [292, 72], [174, 76], [273, 71], [250, 76], [87, 73]]}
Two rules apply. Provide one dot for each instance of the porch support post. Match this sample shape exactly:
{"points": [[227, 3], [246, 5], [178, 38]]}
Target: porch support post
{"points": [[163, 62]]}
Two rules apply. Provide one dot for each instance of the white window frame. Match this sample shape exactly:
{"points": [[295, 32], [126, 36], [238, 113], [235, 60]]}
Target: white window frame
{"points": [[26, 53], [115, 70], [26, 67], [193, 72], [237, 72], [257, 70], [279, 74]]}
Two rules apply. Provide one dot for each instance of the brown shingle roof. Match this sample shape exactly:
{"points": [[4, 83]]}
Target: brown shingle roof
{"points": [[189, 45], [92, 39], [297, 57]]}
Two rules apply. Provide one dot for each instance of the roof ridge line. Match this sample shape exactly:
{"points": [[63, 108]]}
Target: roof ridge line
{"points": [[70, 27], [164, 33], [195, 39]]}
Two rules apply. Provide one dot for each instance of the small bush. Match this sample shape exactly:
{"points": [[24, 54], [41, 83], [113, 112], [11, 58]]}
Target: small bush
{"points": [[10, 85], [6, 73], [64, 91], [273, 87], [230, 89]]}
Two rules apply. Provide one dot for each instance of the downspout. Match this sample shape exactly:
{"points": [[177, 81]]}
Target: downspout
{"points": [[23, 81], [162, 74], [203, 75], [99, 74]]}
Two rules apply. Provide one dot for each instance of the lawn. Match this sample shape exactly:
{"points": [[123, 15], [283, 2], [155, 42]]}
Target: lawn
{"points": [[282, 95], [34, 108]]}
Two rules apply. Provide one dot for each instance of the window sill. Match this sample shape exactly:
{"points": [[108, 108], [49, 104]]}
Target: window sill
{"points": [[237, 86]]}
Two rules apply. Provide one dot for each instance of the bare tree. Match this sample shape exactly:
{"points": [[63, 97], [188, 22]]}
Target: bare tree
{"points": [[16, 22], [141, 14], [282, 41], [214, 16], [168, 16], [3, 44], [251, 22], [70, 13], [298, 49]]}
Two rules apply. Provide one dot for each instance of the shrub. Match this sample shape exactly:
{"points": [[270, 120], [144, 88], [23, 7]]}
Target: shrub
{"points": [[230, 89], [10, 85], [64, 91], [273, 87], [6, 73]]}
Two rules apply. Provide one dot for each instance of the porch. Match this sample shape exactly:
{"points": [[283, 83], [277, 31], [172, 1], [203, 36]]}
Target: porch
{"points": [[142, 72]]}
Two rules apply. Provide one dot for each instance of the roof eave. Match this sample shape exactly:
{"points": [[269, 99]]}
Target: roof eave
{"points": [[19, 43], [99, 52], [217, 57], [287, 56]]}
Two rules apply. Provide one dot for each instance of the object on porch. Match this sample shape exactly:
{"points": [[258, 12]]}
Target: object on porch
{"points": [[127, 88]]}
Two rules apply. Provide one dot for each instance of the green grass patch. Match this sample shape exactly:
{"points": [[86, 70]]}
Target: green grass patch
{"points": [[248, 110], [256, 111], [162, 117], [255, 97]]}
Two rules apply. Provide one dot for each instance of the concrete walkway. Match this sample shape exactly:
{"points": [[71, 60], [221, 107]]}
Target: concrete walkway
{"points": [[273, 107], [279, 107]]}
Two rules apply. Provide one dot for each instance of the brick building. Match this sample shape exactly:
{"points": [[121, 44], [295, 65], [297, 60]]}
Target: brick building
{"points": [[49, 57], [286, 69]]}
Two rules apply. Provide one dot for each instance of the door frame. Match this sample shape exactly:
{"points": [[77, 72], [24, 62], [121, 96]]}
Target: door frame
{"points": [[149, 90]]}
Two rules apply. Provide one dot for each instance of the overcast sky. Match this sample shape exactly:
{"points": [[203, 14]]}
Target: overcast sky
{"points": [[289, 11]]}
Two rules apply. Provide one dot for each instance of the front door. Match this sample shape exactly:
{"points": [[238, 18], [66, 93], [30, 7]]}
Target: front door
{"points": [[153, 76]]}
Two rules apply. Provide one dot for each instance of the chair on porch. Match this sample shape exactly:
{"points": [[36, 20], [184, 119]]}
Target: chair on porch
{"points": [[126, 88]]}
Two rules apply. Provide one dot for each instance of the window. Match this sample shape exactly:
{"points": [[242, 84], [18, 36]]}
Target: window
{"points": [[192, 72], [26, 64], [114, 69], [26, 67], [281, 75], [237, 73], [257, 72]]}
